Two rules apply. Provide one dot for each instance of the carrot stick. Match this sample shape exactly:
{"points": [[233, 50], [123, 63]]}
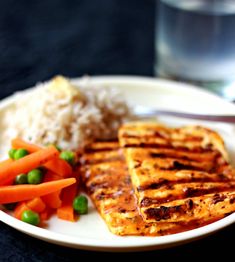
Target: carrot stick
{"points": [[7, 162], [51, 176], [46, 214], [20, 208], [66, 211], [60, 167], [36, 204], [52, 200], [19, 143], [17, 193], [25, 164], [56, 165]]}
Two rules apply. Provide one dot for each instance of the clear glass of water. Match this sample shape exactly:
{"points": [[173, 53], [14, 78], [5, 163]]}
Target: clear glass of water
{"points": [[195, 42]]}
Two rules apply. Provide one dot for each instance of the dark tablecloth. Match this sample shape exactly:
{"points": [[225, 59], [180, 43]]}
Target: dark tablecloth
{"points": [[39, 39]]}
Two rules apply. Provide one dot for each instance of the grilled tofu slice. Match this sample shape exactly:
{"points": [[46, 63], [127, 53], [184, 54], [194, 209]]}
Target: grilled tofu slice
{"points": [[178, 174], [108, 183]]}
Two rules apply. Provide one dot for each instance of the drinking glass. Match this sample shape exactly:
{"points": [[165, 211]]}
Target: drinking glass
{"points": [[195, 42]]}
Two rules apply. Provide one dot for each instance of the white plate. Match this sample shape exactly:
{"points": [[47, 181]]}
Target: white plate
{"points": [[90, 232]]}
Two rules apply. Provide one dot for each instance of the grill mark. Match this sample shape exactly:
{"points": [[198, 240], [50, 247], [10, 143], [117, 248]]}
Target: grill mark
{"points": [[91, 161], [166, 137], [168, 184], [108, 145], [167, 155], [188, 192], [186, 208], [232, 200], [218, 164], [176, 165], [182, 157], [164, 213], [218, 198], [169, 146], [89, 150]]}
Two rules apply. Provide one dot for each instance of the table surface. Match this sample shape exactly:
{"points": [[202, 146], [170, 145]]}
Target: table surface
{"points": [[40, 39]]}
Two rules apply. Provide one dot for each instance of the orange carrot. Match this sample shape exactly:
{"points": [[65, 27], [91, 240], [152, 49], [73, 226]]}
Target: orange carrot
{"points": [[52, 200], [66, 211], [60, 167], [19, 143], [36, 204], [46, 214], [25, 164], [17, 193], [7, 162], [20, 208], [56, 165], [51, 176]]}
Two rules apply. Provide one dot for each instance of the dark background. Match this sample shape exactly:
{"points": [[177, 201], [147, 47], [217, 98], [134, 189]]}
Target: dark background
{"points": [[39, 39]]}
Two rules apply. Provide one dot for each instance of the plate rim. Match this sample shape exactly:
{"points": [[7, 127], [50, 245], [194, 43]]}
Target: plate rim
{"points": [[165, 241]]}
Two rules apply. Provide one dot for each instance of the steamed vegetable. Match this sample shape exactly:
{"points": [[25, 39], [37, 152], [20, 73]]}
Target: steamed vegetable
{"points": [[10, 170], [35, 176], [16, 193], [30, 217], [37, 182], [56, 165], [80, 204]]}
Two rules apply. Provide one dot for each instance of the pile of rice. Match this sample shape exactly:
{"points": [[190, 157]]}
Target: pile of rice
{"points": [[57, 112]]}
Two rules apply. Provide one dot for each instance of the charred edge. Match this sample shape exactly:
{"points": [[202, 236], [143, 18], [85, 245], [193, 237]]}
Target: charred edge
{"points": [[137, 164], [232, 199], [89, 150], [167, 155], [84, 161], [216, 157], [165, 213], [189, 192], [159, 184], [218, 198], [162, 135], [177, 165], [227, 214], [155, 134], [168, 184], [169, 146], [193, 192]]}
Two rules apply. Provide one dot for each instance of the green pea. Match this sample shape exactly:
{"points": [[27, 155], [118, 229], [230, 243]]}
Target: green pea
{"points": [[21, 179], [12, 152], [30, 217], [68, 156], [80, 204], [35, 176], [20, 153]]}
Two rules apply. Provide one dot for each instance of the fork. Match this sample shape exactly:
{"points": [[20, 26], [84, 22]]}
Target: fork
{"points": [[142, 111]]}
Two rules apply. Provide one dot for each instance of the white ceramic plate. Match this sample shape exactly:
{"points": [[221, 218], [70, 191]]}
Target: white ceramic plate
{"points": [[90, 232]]}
